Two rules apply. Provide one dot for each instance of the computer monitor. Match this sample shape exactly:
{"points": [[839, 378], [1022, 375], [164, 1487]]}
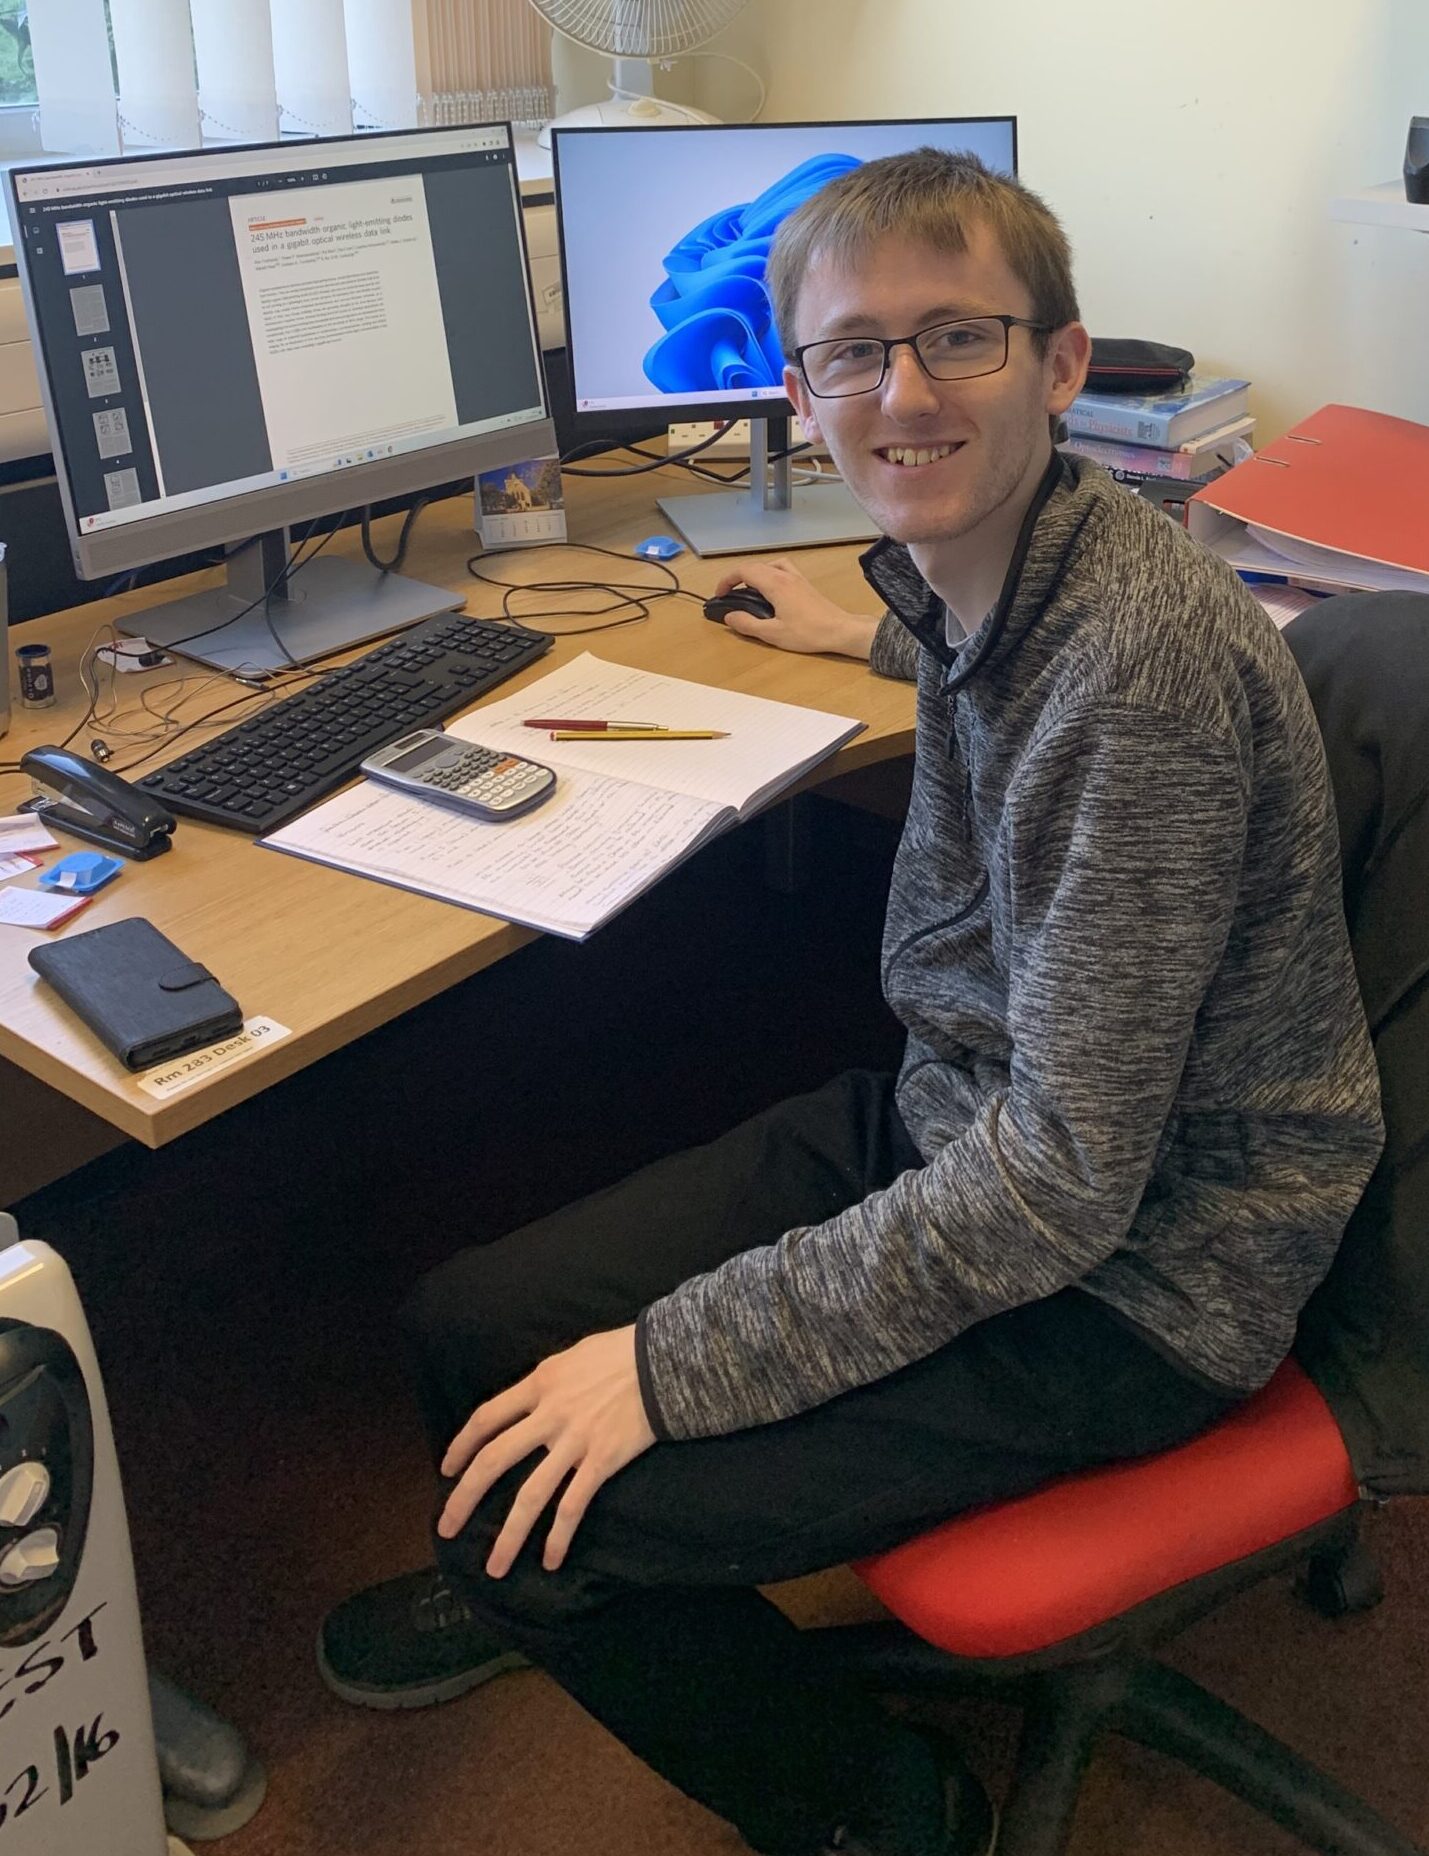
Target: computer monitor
{"points": [[664, 236], [237, 340]]}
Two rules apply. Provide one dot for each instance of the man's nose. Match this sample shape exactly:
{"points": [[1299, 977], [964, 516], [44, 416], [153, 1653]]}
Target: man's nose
{"points": [[908, 393]]}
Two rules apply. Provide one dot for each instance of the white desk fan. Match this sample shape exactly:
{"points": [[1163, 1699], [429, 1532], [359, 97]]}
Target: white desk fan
{"points": [[636, 34]]}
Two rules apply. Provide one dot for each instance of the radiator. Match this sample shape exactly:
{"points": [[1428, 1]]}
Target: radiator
{"points": [[78, 1770]]}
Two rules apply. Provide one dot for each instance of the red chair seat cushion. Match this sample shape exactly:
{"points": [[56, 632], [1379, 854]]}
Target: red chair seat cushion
{"points": [[1019, 1576]]}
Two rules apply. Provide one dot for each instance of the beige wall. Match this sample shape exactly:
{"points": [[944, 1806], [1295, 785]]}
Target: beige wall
{"points": [[1190, 152]]}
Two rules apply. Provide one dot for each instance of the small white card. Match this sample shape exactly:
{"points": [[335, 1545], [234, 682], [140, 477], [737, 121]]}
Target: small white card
{"points": [[182, 1072], [21, 832], [132, 653], [522, 505], [16, 865], [33, 908]]}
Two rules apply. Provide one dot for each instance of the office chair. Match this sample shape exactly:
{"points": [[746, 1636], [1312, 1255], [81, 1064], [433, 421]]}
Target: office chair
{"points": [[1058, 1599]]}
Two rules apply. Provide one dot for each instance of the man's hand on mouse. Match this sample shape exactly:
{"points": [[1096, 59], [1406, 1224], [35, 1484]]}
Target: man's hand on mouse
{"points": [[804, 620]]}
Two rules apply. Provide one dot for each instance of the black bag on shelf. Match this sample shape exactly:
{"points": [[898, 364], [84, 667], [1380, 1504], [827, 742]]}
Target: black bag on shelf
{"points": [[1120, 365]]}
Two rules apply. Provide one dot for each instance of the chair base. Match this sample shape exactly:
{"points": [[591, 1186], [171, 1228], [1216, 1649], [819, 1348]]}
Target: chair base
{"points": [[1170, 1713], [1066, 1708]]}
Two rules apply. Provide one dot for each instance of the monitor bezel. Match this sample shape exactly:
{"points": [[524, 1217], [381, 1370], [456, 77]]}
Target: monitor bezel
{"points": [[639, 421], [98, 553]]}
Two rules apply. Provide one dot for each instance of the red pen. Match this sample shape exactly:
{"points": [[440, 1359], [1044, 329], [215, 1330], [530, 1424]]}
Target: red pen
{"points": [[583, 722]]}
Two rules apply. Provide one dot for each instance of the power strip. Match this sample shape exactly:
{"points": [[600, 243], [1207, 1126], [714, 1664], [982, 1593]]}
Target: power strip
{"points": [[733, 440]]}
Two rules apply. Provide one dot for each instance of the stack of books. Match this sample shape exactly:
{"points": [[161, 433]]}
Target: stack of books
{"points": [[1191, 433]]}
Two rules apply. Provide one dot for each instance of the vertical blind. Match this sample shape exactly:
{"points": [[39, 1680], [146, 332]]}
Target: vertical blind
{"points": [[154, 55], [70, 42], [310, 66], [191, 71], [487, 63], [233, 59]]}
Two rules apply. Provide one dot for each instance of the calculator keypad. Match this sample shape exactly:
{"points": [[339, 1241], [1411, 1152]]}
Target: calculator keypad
{"points": [[496, 782]]}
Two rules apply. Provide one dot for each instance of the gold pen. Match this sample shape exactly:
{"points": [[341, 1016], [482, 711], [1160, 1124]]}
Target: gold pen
{"points": [[639, 734]]}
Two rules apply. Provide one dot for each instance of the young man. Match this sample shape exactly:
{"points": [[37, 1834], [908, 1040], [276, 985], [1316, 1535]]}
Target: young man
{"points": [[1137, 1104]]}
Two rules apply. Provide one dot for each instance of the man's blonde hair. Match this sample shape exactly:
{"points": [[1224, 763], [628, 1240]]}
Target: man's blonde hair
{"points": [[932, 198]]}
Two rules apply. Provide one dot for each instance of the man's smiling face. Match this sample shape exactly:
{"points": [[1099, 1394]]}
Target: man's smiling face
{"points": [[932, 461]]}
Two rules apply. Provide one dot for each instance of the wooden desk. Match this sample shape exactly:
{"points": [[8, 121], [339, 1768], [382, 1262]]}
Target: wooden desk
{"points": [[324, 953]]}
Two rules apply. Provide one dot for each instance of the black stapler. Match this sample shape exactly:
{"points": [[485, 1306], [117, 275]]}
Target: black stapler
{"points": [[80, 797]]}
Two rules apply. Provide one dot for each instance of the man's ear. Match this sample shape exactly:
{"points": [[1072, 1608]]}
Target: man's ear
{"points": [[1069, 354], [804, 402]]}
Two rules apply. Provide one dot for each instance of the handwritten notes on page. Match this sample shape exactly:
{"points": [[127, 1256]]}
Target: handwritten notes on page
{"points": [[566, 867]]}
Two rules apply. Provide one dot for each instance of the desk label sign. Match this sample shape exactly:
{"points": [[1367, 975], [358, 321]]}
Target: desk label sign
{"points": [[182, 1072]]}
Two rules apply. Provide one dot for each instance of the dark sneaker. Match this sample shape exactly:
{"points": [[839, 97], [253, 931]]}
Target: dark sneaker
{"points": [[408, 1643]]}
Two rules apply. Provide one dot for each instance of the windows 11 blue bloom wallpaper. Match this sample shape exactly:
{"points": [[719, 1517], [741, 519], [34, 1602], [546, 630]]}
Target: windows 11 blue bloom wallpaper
{"points": [[713, 304]]}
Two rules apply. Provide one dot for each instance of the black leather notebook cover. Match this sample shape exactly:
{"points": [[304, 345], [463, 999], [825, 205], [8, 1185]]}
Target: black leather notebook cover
{"points": [[139, 993]]}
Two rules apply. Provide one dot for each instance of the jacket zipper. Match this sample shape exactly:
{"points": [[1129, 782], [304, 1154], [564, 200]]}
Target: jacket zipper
{"points": [[939, 927]]}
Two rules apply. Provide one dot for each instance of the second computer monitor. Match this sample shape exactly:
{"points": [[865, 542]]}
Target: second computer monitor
{"points": [[664, 237]]}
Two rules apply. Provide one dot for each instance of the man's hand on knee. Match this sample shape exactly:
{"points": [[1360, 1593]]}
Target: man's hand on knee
{"points": [[583, 1408]]}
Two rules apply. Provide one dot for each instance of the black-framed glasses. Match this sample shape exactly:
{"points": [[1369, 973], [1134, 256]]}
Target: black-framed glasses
{"points": [[960, 350]]}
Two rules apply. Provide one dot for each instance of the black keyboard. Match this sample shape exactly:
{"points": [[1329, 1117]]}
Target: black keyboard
{"points": [[260, 773]]}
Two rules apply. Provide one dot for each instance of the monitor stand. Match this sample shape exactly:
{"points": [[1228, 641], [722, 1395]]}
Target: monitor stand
{"points": [[326, 605], [768, 514]]}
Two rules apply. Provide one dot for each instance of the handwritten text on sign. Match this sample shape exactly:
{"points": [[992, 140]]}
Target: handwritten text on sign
{"points": [[71, 1750]]}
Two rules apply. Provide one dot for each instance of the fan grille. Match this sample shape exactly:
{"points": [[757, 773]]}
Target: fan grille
{"points": [[640, 28]]}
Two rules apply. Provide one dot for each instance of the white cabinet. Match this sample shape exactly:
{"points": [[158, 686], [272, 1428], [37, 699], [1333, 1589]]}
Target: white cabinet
{"points": [[22, 423]]}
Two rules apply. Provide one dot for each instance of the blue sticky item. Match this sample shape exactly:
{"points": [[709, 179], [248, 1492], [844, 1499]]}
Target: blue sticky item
{"points": [[91, 870], [660, 547]]}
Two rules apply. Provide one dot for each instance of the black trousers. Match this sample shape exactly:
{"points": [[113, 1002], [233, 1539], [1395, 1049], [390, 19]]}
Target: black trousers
{"points": [[653, 1623]]}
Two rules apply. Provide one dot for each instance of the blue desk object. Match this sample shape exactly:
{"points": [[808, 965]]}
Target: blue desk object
{"points": [[659, 547], [87, 871]]}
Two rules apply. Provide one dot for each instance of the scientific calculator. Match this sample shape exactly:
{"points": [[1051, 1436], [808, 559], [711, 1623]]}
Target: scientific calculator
{"points": [[488, 784]]}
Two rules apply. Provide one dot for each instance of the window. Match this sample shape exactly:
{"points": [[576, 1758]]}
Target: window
{"points": [[189, 71], [17, 57]]}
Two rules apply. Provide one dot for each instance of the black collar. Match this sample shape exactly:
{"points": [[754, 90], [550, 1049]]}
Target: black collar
{"points": [[888, 567]]}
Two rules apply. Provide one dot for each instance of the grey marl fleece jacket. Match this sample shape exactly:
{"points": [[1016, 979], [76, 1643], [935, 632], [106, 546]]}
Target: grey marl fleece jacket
{"points": [[1136, 1058]]}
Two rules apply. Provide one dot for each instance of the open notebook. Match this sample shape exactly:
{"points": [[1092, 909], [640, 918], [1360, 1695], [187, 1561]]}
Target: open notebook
{"points": [[623, 813]]}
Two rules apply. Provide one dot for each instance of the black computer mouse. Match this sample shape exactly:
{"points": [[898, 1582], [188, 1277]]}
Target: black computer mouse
{"points": [[739, 599]]}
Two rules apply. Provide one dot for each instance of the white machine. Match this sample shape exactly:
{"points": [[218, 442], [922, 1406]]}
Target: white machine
{"points": [[78, 1769]]}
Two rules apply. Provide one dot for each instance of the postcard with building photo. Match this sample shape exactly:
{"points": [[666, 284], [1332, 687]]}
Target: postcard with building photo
{"points": [[521, 503]]}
